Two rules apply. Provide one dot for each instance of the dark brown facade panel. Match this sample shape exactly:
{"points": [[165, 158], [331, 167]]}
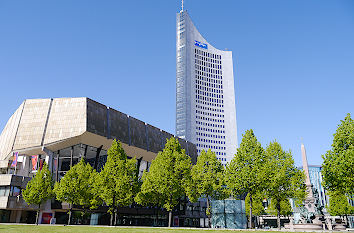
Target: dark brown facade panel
{"points": [[192, 152], [96, 118], [183, 144], [164, 137], [137, 133], [118, 126], [154, 138]]}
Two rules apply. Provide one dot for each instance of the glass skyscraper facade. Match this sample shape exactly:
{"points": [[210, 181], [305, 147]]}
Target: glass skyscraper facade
{"points": [[316, 181], [205, 96]]}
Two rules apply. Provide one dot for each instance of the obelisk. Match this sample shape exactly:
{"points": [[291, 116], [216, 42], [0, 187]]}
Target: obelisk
{"points": [[310, 200]]}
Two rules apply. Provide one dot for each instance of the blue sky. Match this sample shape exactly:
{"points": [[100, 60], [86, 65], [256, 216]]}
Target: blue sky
{"points": [[293, 60]]}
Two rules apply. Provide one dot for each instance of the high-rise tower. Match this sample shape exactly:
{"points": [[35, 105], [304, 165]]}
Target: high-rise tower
{"points": [[205, 96]]}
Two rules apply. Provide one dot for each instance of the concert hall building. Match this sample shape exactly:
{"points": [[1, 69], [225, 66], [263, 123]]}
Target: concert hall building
{"points": [[60, 132]]}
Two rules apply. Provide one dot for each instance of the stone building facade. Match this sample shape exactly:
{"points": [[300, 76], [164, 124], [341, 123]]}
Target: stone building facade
{"points": [[60, 132]]}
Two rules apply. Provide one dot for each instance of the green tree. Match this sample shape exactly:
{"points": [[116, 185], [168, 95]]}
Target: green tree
{"points": [[285, 180], [339, 205], [257, 204], [118, 181], [75, 187], [338, 163], [247, 171], [95, 192], [285, 208], [167, 179], [206, 179], [39, 189]]}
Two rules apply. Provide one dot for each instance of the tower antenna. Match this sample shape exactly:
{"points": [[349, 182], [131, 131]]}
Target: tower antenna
{"points": [[182, 5]]}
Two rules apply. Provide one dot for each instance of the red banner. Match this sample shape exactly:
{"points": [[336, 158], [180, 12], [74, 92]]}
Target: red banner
{"points": [[46, 218], [34, 162], [14, 162], [41, 164], [55, 165]]}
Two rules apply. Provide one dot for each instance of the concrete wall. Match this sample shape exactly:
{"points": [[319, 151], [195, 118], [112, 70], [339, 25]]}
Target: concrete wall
{"points": [[113, 124], [8, 135], [13, 180], [38, 122], [154, 138], [32, 124], [43, 122], [137, 133], [66, 119], [119, 128], [97, 118]]}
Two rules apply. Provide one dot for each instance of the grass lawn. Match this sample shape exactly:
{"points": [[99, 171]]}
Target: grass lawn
{"points": [[94, 229]]}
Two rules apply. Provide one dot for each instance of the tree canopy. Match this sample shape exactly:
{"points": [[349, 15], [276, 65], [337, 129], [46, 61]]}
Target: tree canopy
{"points": [[338, 163], [76, 186], [339, 205], [285, 180], [247, 171], [206, 179], [166, 181], [285, 207], [118, 181], [39, 188], [257, 204]]}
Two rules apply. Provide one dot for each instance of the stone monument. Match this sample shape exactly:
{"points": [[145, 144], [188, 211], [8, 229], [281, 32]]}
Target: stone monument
{"points": [[311, 216], [309, 203]]}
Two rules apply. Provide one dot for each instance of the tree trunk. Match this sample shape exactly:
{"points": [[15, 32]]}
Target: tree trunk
{"points": [[208, 210], [169, 218], [278, 214], [250, 220], [115, 216], [111, 221], [39, 209], [70, 212], [113, 210]]}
